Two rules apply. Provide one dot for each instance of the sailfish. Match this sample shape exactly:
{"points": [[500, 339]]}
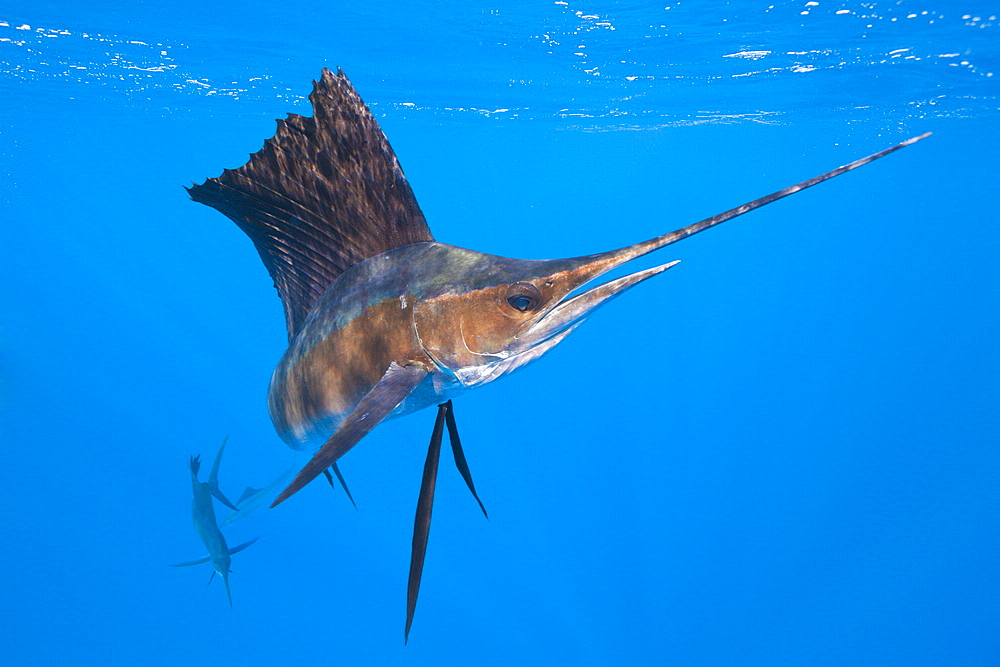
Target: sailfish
{"points": [[205, 524], [382, 319]]}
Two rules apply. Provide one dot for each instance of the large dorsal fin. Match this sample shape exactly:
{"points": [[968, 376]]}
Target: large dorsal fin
{"points": [[324, 193]]}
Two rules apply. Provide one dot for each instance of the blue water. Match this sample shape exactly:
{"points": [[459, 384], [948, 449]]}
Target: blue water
{"points": [[783, 451]]}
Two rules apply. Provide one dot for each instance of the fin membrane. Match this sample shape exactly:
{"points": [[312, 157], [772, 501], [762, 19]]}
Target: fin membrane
{"points": [[323, 194]]}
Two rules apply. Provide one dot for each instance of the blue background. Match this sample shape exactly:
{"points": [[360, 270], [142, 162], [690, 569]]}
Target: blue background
{"points": [[782, 451]]}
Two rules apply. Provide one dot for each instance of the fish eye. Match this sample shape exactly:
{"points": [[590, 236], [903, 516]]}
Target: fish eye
{"points": [[523, 297], [522, 302]]}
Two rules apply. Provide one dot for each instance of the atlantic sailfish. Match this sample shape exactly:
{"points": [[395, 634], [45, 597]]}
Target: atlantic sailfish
{"points": [[205, 524], [382, 319]]}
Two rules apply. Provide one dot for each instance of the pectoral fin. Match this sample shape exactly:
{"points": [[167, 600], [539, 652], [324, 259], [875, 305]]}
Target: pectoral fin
{"points": [[192, 562], [237, 549], [395, 385]]}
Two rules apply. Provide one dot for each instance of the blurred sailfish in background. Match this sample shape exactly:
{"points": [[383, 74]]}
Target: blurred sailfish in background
{"points": [[252, 498], [382, 319], [205, 524]]}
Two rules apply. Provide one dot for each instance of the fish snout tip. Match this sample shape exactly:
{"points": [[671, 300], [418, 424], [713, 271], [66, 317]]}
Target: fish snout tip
{"points": [[916, 139], [640, 276]]}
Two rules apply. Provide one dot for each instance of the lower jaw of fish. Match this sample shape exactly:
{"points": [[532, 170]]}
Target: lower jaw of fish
{"points": [[571, 311], [470, 377]]}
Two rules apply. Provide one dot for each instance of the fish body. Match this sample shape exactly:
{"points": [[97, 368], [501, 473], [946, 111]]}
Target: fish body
{"points": [[409, 306], [206, 525]]}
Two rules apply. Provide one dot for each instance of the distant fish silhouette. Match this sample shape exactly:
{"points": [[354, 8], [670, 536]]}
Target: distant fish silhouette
{"points": [[203, 515], [382, 319]]}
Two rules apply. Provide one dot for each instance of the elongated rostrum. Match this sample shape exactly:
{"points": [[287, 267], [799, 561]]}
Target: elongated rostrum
{"points": [[382, 319]]}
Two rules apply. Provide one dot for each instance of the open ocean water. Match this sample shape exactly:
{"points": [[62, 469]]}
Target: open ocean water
{"points": [[784, 451]]}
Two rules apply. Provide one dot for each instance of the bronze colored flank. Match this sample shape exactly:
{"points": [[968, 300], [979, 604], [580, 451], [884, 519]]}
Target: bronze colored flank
{"points": [[382, 319]]}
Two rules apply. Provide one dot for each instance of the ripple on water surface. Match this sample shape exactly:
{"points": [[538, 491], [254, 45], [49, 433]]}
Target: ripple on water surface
{"points": [[591, 64]]}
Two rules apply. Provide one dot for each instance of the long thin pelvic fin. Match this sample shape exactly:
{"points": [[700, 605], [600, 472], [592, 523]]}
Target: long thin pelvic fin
{"points": [[422, 521], [456, 450]]}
